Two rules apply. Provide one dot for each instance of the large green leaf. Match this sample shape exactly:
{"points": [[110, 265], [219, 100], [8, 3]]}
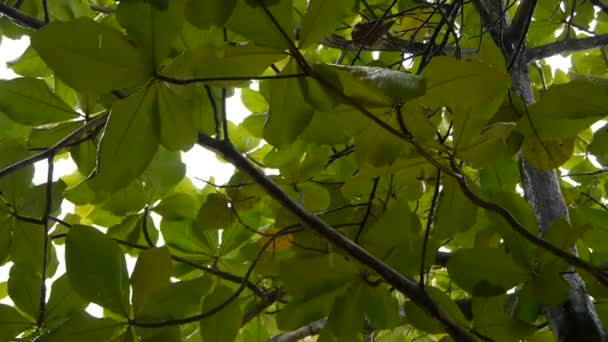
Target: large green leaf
{"points": [[495, 271], [27, 248], [89, 56], [64, 301], [395, 238], [346, 313], [493, 318], [391, 83], [82, 327], [472, 90], [177, 131], [152, 28], [24, 289], [205, 14], [421, 320], [178, 300], [151, 274], [224, 325], [12, 323], [566, 109], [97, 270], [455, 212], [208, 62], [129, 142], [289, 111], [321, 19], [30, 102], [254, 24]]}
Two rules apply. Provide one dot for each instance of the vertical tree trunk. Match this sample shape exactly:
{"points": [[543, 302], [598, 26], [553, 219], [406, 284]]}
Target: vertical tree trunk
{"points": [[576, 319]]}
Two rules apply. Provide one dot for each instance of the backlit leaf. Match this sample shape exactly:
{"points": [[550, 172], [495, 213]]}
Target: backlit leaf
{"points": [[89, 56]]}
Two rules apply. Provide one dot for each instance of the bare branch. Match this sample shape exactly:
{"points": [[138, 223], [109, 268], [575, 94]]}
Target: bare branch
{"points": [[405, 285], [21, 18], [522, 19], [310, 329], [566, 46]]}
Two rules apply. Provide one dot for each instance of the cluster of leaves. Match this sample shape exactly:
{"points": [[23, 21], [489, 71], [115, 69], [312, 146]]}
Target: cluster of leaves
{"points": [[399, 162]]}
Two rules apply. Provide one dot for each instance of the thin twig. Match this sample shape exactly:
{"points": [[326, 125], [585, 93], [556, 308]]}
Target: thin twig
{"points": [[45, 256], [429, 222]]}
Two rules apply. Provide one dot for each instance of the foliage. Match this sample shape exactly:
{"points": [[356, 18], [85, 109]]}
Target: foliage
{"points": [[395, 210]]}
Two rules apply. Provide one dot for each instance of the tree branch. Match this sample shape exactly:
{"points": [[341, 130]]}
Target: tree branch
{"points": [[93, 124], [21, 18], [405, 285], [310, 329], [565, 46], [521, 20]]}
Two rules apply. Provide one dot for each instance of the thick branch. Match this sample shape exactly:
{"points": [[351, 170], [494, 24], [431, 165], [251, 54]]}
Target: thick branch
{"points": [[405, 285], [20, 18], [566, 46], [522, 19]]}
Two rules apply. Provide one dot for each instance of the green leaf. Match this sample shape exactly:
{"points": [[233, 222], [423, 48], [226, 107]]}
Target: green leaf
{"points": [[263, 31], [24, 289], [178, 300], [391, 83], [129, 142], [566, 109], [164, 172], [175, 118], [82, 327], [205, 14], [421, 320], [90, 57], [599, 146], [27, 248], [188, 237], [346, 314], [97, 270], [495, 271], [207, 62], [289, 111], [152, 273], [294, 315], [29, 64], [377, 147], [64, 302], [493, 319], [317, 275], [547, 154], [177, 207], [254, 101], [321, 19], [451, 83], [6, 224], [153, 29], [491, 145], [30, 102], [382, 309], [395, 238], [455, 212], [224, 325], [215, 212], [12, 323]]}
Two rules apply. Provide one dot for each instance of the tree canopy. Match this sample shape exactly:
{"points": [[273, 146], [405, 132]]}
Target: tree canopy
{"points": [[380, 176]]}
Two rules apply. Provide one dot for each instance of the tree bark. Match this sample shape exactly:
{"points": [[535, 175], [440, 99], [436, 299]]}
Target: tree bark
{"points": [[576, 319]]}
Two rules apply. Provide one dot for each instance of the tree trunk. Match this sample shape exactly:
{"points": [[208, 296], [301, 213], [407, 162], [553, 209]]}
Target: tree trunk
{"points": [[576, 319]]}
